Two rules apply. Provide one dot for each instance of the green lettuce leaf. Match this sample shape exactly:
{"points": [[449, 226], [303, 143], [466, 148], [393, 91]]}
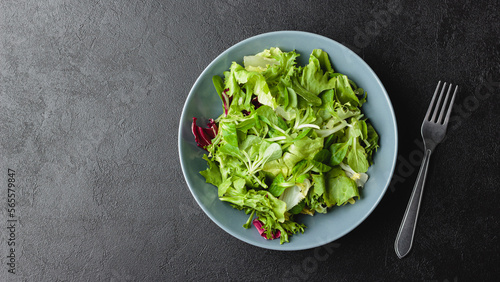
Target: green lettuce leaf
{"points": [[212, 173], [316, 75], [339, 188], [344, 92], [261, 201]]}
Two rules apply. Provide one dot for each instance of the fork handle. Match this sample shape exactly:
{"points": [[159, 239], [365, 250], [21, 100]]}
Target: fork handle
{"points": [[404, 240]]}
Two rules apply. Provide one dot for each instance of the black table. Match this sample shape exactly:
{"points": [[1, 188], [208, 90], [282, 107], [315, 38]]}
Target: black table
{"points": [[91, 93]]}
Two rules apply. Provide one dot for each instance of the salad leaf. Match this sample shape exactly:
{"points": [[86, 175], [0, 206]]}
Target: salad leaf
{"points": [[339, 188], [279, 185], [345, 94], [212, 173], [316, 79], [293, 195], [306, 148], [371, 142], [338, 153], [357, 159], [259, 225], [260, 201], [315, 201], [255, 82], [359, 178], [203, 136], [298, 208]]}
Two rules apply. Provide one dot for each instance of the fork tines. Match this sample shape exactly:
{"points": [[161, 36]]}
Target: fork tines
{"points": [[441, 107]]}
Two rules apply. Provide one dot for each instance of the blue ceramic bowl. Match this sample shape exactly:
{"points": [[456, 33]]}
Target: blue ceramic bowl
{"points": [[204, 103]]}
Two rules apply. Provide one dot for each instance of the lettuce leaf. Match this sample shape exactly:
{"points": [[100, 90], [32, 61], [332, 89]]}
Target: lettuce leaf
{"points": [[339, 188]]}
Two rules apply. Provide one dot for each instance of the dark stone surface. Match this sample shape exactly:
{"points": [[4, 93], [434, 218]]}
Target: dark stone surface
{"points": [[90, 97]]}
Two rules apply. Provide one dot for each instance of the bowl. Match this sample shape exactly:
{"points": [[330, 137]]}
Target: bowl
{"points": [[204, 103]]}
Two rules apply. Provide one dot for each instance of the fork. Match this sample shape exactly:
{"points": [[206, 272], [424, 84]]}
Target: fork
{"points": [[433, 132]]}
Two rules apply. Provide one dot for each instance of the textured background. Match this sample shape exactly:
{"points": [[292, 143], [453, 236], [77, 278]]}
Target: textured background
{"points": [[90, 97]]}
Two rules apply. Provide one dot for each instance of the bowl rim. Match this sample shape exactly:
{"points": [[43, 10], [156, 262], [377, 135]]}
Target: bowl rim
{"points": [[290, 33]]}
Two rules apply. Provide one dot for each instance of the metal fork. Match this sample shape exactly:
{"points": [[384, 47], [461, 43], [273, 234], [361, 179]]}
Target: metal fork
{"points": [[433, 132]]}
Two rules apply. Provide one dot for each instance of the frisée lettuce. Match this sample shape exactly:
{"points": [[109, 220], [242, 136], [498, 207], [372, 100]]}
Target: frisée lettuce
{"points": [[291, 139]]}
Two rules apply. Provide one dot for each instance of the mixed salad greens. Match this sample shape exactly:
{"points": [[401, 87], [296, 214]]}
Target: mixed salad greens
{"points": [[292, 139]]}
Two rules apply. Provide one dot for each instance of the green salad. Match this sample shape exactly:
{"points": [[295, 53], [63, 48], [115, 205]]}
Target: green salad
{"points": [[291, 140]]}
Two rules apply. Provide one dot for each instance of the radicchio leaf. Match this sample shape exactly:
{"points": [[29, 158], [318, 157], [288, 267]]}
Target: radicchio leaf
{"points": [[226, 100], [204, 136], [255, 102], [258, 224]]}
